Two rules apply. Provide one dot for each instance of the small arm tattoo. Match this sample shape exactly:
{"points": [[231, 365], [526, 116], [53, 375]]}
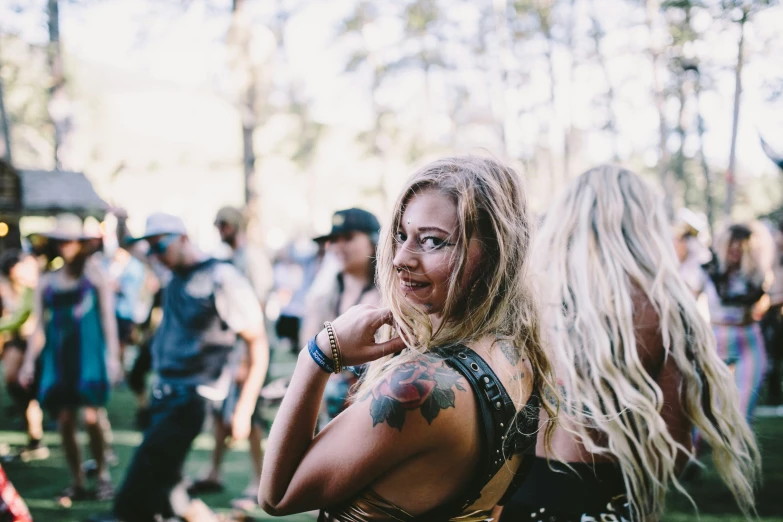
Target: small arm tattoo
{"points": [[510, 351]]}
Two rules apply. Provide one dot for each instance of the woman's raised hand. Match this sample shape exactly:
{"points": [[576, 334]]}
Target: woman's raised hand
{"points": [[355, 332]]}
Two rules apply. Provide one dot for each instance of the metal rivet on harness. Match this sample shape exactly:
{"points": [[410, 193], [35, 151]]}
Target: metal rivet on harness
{"points": [[486, 379], [498, 405], [474, 367], [462, 355], [501, 425]]}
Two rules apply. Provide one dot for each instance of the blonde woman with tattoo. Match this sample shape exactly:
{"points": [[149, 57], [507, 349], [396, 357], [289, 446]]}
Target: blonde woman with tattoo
{"points": [[449, 404], [635, 360]]}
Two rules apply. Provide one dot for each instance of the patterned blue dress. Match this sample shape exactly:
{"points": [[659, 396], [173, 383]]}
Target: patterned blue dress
{"points": [[73, 360]]}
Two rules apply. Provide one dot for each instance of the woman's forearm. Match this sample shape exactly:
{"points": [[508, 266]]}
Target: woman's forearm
{"points": [[292, 431]]}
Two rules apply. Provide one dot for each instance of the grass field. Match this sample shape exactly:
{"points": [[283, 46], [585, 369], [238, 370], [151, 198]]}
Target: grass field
{"points": [[39, 482]]}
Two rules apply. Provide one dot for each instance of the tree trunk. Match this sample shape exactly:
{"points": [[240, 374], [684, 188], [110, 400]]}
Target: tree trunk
{"points": [[731, 172], [544, 19], [58, 101], [660, 104], [611, 123], [5, 127], [709, 203], [248, 110], [679, 159]]}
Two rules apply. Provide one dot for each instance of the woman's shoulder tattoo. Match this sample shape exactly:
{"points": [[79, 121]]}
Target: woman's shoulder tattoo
{"points": [[424, 385]]}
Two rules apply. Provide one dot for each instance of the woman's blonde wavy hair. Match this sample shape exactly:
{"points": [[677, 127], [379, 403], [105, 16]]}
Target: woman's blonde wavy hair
{"points": [[606, 234], [492, 206]]}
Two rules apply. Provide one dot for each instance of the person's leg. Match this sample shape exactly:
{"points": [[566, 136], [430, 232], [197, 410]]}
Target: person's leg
{"points": [[95, 431], [137, 384], [13, 357], [757, 359], [156, 467], [774, 349], [211, 482], [256, 456], [221, 432], [67, 425], [34, 416]]}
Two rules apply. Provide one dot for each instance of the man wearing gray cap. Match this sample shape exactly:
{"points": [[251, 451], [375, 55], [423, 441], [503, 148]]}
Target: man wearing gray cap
{"points": [[206, 305]]}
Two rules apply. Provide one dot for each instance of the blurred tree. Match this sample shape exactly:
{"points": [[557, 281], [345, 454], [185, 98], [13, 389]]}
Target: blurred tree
{"points": [[59, 104], [252, 47], [5, 127], [741, 12]]}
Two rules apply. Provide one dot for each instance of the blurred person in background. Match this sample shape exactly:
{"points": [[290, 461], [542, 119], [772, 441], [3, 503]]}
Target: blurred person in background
{"points": [[772, 323], [295, 269], [690, 248], [17, 290], [350, 281], [76, 338], [252, 263], [734, 283], [147, 314], [206, 304], [248, 259], [128, 278], [635, 363]]}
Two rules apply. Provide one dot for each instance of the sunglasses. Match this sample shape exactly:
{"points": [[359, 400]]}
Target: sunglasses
{"points": [[160, 246]]}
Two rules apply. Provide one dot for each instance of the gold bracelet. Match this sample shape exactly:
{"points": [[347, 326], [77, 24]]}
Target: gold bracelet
{"points": [[338, 367]]}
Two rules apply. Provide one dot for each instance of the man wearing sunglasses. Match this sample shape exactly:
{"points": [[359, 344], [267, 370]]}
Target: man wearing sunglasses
{"points": [[206, 305]]}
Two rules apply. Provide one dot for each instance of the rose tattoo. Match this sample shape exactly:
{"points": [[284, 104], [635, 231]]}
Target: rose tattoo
{"points": [[413, 385]]}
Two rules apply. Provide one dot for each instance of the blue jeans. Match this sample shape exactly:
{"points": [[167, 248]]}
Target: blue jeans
{"points": [[178, 414]]}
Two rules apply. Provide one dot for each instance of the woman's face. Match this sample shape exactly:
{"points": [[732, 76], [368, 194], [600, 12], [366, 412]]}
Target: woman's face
{"points": [[69, 250], [426, 250], [734, 253], [25, 272], [681, 248], [354, 251]]}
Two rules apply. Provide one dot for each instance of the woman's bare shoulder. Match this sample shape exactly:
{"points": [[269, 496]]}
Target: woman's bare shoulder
{"points": [[420, 388]]}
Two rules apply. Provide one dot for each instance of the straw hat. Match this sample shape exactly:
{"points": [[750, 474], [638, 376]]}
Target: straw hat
{"points": [[69, 227]]}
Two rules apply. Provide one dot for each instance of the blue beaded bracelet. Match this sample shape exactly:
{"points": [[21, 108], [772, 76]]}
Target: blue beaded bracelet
{"points": [[318, 356]]}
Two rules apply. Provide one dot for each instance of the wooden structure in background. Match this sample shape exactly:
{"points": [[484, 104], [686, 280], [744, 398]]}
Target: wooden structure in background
{"points": [[42, 193]]}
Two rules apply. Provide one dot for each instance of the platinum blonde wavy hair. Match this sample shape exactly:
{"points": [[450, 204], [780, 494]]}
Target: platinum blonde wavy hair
{"points": [[491, 204], [605, 235]]}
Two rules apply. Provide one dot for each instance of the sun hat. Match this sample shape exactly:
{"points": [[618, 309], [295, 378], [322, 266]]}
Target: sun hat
{"points": [[161, 224]]}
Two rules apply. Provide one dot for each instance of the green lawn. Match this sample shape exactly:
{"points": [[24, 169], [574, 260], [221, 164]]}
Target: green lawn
{"points": [[39, 482]]}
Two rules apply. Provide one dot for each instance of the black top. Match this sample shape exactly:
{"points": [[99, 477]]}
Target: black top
{"points": [[504, 435]]}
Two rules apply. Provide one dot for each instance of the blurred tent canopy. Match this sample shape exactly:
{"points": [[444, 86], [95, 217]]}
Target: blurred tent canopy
{"points": [[43, 193]]}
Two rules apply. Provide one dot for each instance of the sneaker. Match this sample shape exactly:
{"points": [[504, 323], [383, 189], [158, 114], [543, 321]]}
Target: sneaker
{"points": [[104, 490], [33, 451], [72, 494], [90, 467]]}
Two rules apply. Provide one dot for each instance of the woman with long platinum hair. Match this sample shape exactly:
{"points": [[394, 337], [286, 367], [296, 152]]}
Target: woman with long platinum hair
{"points": [[635, 363], [438, 432]]}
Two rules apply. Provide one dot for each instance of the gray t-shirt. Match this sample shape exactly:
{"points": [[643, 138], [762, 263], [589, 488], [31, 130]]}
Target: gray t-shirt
{"points": [[204, 308]]}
